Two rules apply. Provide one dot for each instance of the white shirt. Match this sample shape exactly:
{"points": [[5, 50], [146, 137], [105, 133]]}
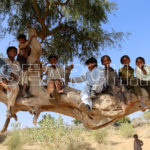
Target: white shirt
{"points": [[140, 75], [15, 69], [53, 74]]}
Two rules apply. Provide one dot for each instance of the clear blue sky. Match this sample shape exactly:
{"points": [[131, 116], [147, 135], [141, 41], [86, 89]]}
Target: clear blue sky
{"points": [[131, 16]]}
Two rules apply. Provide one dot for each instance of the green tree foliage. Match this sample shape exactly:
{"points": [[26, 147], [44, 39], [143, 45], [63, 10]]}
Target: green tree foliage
{"points": [[124, 120], [76, 122], [67, 27]]}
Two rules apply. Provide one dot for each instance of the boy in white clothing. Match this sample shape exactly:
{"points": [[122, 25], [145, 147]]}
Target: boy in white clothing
{"points": [[142, 70], [13, 84], [95, 81]]}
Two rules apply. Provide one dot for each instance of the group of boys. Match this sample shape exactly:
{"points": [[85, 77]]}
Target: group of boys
{"points": [[97, 78], [14, 72]]}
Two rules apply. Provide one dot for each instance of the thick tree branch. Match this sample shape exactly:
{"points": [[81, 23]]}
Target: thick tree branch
{"points": [[37, 11], [46, 10], [61, 27]]}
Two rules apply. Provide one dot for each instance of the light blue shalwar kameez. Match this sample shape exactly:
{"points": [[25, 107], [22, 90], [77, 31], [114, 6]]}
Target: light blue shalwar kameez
{"points": [[95, 80]]}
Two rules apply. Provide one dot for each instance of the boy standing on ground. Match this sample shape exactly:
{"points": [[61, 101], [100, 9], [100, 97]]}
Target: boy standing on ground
{"points": [[137, 143]]}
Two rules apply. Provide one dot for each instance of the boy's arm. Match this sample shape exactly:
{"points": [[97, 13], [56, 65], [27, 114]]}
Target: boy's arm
{"points": [[27, 43], [78, 79], [143, 70], [138, 73]]}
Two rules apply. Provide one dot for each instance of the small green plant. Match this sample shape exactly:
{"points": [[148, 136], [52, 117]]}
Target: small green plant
{"points": [[124, 120], [126, 130], [76, 122]]}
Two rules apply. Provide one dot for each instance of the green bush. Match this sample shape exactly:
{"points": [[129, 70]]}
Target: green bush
{"points": [[51, 133], [126, 130], [76, 122], [124, 120]]}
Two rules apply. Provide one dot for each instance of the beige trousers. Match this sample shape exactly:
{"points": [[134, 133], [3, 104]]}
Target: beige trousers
{"points": [[12, 95]]}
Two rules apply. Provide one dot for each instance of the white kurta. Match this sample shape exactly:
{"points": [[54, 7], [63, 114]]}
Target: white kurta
{"points": [[95, 80], [13, 84], [140, 75]]}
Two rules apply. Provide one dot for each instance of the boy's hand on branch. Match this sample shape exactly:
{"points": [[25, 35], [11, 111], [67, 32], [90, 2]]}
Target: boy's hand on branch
{"points": [[71, 67]]}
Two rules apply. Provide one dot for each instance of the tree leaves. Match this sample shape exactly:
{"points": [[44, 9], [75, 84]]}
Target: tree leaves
{"points": [[69, 27]]}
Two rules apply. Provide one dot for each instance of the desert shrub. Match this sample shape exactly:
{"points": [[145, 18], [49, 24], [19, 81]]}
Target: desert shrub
{"points": [[79, 145], [137, 122], [14, 141], [126, 130], [76, 122], [51, 133], [100, 135], [124, 120]]}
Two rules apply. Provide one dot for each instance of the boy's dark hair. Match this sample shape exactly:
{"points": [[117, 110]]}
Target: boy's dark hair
{"points": [[121, 60], [21, 36], [104, 57], [141, 59], [135, 135], [53, 56], [91, 60], [10, 48]]}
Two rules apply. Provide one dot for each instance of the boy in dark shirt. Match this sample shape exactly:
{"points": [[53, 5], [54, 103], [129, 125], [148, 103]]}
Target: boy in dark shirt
{"points": [[24, 51]]}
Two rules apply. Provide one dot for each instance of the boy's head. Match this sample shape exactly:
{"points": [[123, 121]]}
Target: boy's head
{"points": [[21, 38], [53, 59], [140, 62], [125, 60], [106, 60], [135, 136], [11, 52], [91, 63]]}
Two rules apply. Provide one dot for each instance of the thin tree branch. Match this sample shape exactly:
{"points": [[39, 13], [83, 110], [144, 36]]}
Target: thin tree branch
{"points": [[37, 11], [46, 10], [61, 27], [61, 15]]}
